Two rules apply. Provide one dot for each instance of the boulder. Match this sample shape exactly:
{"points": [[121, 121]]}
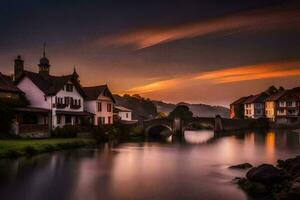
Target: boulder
{"points": [[294, 192], [292, 166], [266, 174], [253, 188], [241, 166]]}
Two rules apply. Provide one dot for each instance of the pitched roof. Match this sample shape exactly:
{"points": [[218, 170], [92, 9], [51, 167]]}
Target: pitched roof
{"points": [[92, 93], [50, 85], [6, 84], [292, 94], [276, 96], [240, 100], [259, 98], [121, 108]]}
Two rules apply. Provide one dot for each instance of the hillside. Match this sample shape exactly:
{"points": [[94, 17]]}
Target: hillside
{"points": [[199, 110], [141, 108], [145, 108]]}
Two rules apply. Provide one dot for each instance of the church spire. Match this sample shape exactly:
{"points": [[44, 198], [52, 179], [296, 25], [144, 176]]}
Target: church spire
{"points": [[44, 52], [44, 65]]}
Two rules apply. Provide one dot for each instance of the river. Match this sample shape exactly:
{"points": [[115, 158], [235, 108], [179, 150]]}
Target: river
{"points": [[195, 168]]}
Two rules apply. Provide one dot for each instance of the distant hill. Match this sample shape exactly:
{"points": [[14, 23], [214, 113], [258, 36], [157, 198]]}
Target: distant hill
{"points": [[141, 108], [146, 109], [199, 110]]}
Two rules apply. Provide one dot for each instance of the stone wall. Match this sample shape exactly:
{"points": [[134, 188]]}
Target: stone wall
{"points": [[223, 124], [30, 130]]}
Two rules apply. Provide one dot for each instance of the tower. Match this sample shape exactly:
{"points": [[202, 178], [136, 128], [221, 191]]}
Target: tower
{"points": [[44, 66]]}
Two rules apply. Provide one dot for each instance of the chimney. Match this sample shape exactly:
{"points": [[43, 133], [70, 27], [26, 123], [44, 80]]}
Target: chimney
{"points": [[19, 67]]}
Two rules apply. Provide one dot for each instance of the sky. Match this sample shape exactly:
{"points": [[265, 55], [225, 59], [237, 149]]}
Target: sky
{"points": [[197, 51]]}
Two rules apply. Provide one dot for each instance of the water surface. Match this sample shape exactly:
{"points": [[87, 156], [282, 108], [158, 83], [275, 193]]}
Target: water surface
{"points": [[194, 167]]}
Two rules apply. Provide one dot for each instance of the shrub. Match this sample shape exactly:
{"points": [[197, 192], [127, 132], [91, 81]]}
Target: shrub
{"points": [[30, 150], [136, 130], [104, 133], [68, 131], [12, 153], [6, 116]]}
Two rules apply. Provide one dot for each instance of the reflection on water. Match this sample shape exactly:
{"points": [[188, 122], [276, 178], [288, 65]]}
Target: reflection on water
{"points": [[146, 170], [198, 137]]}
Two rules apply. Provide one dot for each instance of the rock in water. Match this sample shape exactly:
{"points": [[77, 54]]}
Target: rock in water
{"points": [[292, 166], [266, 174], [241, 166]]}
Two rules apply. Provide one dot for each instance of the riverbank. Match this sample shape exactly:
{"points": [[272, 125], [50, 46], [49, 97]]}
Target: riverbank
{"points": [[281, 182], [17, 148]]}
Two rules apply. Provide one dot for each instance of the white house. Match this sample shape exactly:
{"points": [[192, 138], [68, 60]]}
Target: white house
{"points": [[100, 102], [123, 113], [62, 96]]}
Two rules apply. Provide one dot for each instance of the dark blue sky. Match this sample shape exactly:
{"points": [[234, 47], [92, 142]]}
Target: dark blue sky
{"points": [[133, 44]]}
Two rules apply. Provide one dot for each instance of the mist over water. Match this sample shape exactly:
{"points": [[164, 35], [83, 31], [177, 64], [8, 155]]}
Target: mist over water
{"points": [[194, 168]]}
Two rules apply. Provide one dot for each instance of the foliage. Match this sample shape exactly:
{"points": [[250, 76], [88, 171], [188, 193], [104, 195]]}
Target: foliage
{"points": [[105, 133], [68, 131], [7, 113], [141, 108], [16, 148], [136, 130], [6, 116], [182, 112], [161, 115]]}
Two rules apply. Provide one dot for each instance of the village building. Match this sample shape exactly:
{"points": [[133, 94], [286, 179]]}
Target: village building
{"points": [[100, 102], [254, 106], [122, 113], [58, 99], [283, 107], [237, 108], [8, 91]]}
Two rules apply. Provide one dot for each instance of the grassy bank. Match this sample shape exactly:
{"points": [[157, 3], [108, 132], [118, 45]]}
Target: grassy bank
{"points": [[17, 148]]}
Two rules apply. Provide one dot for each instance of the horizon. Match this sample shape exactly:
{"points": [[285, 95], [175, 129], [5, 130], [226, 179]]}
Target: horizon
{"points": [[184, 51]]}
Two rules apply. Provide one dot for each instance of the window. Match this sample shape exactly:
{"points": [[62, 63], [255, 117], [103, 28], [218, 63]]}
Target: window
{"points": [[67, 101], [69, 87], [58, 119], [58, 100], [76, 120], [109, 120], [289, 103], [101, 120], [108, 107], [68, 119], [99, 106], [281, 110], [291, 112], [127, 116]]}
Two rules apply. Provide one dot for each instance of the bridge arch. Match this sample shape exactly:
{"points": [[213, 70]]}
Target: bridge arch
{"points": [[159, 130], [198, 125]]}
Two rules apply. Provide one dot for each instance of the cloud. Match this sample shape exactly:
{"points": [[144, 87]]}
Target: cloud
{"points": [[263, 19], [278, 69], [253, 72]]}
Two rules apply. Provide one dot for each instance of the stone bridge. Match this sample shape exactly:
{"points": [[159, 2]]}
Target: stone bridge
{"points": [[166, 126]]}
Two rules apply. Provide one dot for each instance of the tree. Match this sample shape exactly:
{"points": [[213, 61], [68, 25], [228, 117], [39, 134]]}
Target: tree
{"points": [[181, 111], [161, 115], [6, 116]]}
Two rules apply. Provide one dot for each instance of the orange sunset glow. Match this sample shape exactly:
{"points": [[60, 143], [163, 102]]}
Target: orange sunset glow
{"points": [[199, 53], [280, 69]]}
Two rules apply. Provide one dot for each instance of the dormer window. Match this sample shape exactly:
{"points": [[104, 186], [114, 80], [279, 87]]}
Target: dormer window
{"points": [[69, 87]]}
